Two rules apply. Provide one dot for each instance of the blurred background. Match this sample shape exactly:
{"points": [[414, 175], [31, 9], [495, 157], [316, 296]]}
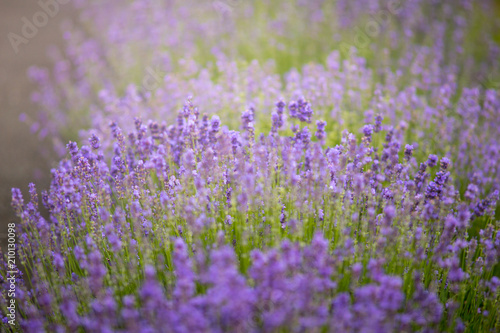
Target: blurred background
{"points": [[22, 159]]}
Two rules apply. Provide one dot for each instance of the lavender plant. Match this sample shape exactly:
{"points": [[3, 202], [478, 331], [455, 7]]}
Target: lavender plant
{"points": [[296, 179], [174, 49], [197, 227]]}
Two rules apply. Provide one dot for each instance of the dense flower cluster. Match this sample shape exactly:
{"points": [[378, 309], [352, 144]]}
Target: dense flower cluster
{"points": [[415, 89], [470, 135], [389, 242], [266, 187]]}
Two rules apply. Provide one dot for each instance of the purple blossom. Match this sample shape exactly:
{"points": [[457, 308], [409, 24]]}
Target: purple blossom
{"points": [[432, 161], [94, 142], [367, 131], [408, 152], [445, 162], [320, 133], [184, 221]]}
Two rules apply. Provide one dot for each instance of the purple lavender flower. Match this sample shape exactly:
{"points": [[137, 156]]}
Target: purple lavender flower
{"points": [[408, 152], [320, 133], [72, 148], [367, 131], [179, 220], [378, 123], [432, 190], [17, 199], [94, 142], [445, 162], [432, 161], [247, 118]]}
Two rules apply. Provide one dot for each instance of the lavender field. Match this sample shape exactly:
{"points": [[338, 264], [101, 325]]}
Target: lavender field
{"points": [[263, 166]]}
